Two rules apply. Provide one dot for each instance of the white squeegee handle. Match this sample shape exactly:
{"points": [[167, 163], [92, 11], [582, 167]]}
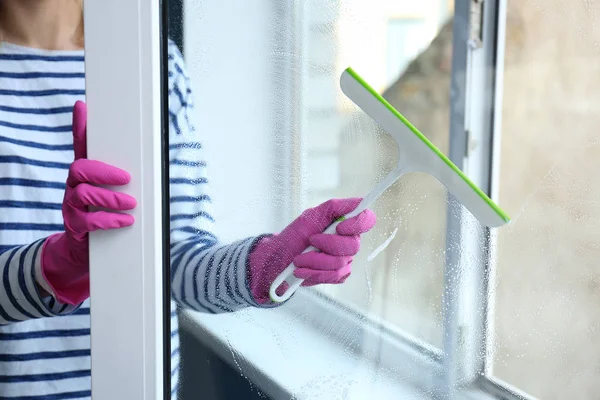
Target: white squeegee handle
{"points": [[287, 275]]}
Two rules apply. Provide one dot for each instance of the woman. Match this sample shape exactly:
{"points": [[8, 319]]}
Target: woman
{"points": [[47, 184]]}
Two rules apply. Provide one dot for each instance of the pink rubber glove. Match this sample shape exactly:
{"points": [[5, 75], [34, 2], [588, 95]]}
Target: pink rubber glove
{"points": [[65, 259], [332, 264]]}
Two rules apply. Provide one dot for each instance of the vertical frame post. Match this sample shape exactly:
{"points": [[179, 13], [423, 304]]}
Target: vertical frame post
{"points": [[124, 129], [477, 69]]}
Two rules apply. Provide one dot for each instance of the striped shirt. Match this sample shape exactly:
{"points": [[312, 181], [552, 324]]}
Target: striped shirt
{"points": [[45, 345]]}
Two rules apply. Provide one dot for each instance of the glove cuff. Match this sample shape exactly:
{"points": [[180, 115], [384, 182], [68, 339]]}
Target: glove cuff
{"points": [[56, 276]]}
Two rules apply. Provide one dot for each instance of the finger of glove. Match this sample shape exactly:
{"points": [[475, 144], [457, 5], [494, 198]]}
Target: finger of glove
{"points": [[316, 219], [336, 245], [97, 173], [315, 260], [314, 277], [85, 195], [79, 130], [104, 220], [362, 223]]}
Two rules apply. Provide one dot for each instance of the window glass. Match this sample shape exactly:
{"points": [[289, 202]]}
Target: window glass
{"points": [[404, 50], [258, 87], [548, 284]]}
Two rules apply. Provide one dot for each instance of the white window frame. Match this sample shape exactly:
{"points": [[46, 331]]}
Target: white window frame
{"points": [[126, 266], [488, 87]]}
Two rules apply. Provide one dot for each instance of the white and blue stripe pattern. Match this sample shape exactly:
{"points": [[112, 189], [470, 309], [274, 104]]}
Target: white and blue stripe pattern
{"points": [[45, 345]]}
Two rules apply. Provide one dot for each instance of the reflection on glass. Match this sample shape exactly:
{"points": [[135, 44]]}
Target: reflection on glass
{"points": [[405, 52], [279, 137], [548, 282]]}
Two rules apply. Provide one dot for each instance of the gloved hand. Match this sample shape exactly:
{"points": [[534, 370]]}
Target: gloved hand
{"points": [[332, 264], [65, 258]]}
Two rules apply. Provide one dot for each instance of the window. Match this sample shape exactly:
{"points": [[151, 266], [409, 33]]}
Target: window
{"points": [[310, 144], [448, 309]]}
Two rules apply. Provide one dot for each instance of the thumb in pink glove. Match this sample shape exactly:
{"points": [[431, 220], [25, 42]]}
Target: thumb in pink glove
{"points": [[65, 259], [332, 264]]}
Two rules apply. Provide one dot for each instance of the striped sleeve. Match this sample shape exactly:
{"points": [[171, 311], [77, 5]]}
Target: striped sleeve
{"points": [[205, 275], [20, 298]]}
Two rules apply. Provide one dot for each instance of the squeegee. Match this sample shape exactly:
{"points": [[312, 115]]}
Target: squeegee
{"points": [[416, 154]]}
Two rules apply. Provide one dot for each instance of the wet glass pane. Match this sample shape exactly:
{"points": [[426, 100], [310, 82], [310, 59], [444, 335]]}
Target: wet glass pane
{"points": [[406, 55], [546, 319], [256, 86]]}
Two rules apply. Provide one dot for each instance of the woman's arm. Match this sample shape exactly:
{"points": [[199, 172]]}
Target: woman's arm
{"points": [[205, 275], [217, 278], [20, 296]]}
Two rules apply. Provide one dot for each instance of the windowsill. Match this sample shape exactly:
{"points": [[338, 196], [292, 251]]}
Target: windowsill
{"points": [[289, 358], [306, 349]]}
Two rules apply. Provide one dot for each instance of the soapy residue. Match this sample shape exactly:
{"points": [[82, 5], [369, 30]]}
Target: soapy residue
{"points": [[382, 246]]}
